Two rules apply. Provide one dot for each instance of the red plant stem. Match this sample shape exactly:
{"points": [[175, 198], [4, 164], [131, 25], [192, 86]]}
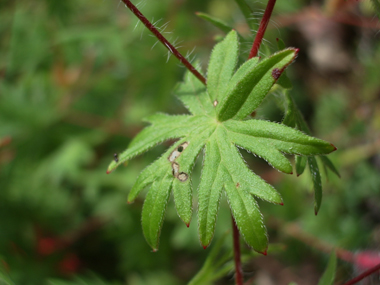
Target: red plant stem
{"points": [[163, 40], [263, 26], [363, 275], [238, 269]]}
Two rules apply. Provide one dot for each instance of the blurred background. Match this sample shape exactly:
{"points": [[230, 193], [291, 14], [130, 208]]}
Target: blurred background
{"points": [[77, 77]]}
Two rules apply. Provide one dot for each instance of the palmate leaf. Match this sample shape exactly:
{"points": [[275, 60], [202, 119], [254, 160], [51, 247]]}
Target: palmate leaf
{"points": [[216, 126]]}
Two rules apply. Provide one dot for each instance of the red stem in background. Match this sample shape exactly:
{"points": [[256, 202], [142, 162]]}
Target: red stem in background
{"points": [[238, 268], [363, 275], [163, 40], [263, 26]]}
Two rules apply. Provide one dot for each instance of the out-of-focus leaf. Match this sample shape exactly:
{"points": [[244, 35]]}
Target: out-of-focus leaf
{"points": [[317, 183], [328, 276], [328, 163], [247, 12], [215, 266], [216, 22]]}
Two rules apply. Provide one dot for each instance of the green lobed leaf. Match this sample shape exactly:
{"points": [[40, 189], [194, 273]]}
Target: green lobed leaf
{"points": [[188, 151], [194, 96], [328, 163], [300, 164], [148, 175], [222, 65], [246, 214], [247, 89], [241, 175], [328, 276], [268, 152], [285, 139], [224, 167], [154, 209], [164, 127], [209, 192]]}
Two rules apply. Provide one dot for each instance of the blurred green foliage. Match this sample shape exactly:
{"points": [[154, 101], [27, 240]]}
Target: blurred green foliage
{"points": [[76, 77]]}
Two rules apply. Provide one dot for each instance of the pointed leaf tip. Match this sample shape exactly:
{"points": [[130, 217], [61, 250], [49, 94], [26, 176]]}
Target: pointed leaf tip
{"points": [[108, 171], [155, 250], [316, 212], [335, 148], [205, 246], [265, 252], [281, 204], [188, 225]]}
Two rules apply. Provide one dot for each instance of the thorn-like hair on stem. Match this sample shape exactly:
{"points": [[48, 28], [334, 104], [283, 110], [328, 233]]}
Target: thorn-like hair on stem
{"points": [[141, 4]]}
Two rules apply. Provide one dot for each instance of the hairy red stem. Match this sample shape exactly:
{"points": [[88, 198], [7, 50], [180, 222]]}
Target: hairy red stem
{"points": [[238, 268], [263, 26], [363, 275], [163, 40]]}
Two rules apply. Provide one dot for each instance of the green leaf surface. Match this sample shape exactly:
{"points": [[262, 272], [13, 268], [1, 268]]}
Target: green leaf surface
{"points": [[328, 163], [246, 214], [328, 276], [154, 210], [249, 86], [287, 140], [194, 96], [300, 164], [220, 134], [222, 65], [209, 192]]}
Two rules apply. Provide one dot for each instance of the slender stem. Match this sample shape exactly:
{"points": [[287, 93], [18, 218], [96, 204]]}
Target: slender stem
{"points": [[263, 26], [163, 40], [363, 275], [238, 269]]}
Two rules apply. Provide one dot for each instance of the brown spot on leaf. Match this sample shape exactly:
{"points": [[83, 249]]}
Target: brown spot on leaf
{"points": [[177, 152], [276, 73], [237, 185], [183, 176], [175, 169]]}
